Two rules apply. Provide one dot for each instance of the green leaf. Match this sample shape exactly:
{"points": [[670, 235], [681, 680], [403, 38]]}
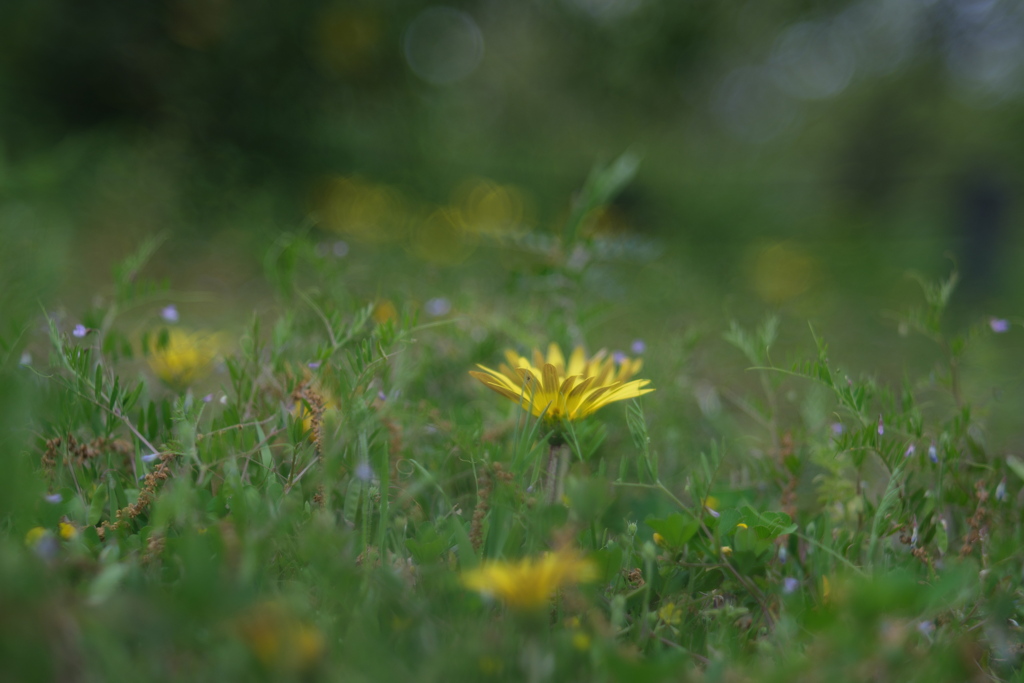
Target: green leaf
{"points": [[1015, 465], [941, 537], [608, 562], [97, 505], [428, 545], [353, 493], [769, 524], [467, 556], [104, 585], [675, 529]]}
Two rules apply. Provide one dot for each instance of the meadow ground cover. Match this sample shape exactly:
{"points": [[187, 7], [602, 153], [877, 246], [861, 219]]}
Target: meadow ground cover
{"points": [[345, 488]]}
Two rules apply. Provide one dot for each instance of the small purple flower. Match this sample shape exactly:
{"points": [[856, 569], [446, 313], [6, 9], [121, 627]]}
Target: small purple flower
{"points": [[999, 325], [1001, 490], [789, 585], [364, 472], [837, 428], [340, 248], [208, 398], [315, 365], [881, 426], [783, 555], [46, 548], [80, 331], [382, 396], [26, 358], [619, 357], [54, 498], [933, 455], [712, 512], [150, 457], [638, 346], [170, 313], [438, 306], [926, 628], [909, 452]]}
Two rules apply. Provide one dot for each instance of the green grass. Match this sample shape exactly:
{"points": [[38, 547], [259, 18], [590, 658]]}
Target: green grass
{"points": [[814, 522]]}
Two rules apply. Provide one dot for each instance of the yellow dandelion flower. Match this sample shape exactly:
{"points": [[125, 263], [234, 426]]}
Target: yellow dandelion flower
{"points": [[529, 583], [561, 390], [186, 357], [67, 531]]}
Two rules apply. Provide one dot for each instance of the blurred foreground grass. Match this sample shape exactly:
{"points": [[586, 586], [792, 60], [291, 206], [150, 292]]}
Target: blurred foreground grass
{"points": [[303, 481]]}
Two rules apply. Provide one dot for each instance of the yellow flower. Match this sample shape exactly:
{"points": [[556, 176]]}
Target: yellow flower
{"points": [[581, 641], [67, 531], [564, 391], [279, 640], [34, 535], [529, 583], [186, 357], [670, 614]]}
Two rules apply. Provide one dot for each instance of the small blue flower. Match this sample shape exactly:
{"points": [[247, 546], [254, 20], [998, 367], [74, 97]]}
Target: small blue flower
{"points": [[789, 585], [314, 365], [999, 325], [638, 346], [150, 457], [933, 454], [837, 428], [1001, 490], [80, 331], [382, 396], [881, 426], [26, 358], [364, 472], [909, 452], [208, 398], [619, 357], [438, 306], [170, 313], [54, 498], [340, 248]]}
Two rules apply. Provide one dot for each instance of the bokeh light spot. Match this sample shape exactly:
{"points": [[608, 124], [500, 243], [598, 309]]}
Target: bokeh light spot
{"points": [[364, 211], [813, 60], [443, 45], [441, 239], [750, 105], [781, 272]]}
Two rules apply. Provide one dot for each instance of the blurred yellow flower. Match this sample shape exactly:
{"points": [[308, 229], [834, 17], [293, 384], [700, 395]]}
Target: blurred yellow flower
{"points": [[279, 640], [67, 531], [558, 390], [34, 535], [186, 357], [529, 583], [384, 311]]}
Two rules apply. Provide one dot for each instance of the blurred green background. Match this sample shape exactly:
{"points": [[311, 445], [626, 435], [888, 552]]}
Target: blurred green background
{"points": [[799, 156]]}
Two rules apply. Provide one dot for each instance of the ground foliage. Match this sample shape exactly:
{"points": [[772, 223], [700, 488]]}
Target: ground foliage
{"points": [[306, 509]]}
